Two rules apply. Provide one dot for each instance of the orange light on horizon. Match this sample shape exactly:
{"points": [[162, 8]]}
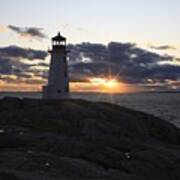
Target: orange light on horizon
{"points": [[100, 85], [95, 85], [106, 83]]}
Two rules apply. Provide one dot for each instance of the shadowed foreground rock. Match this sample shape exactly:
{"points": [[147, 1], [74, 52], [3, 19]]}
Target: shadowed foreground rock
{"points": [[76, 139]]}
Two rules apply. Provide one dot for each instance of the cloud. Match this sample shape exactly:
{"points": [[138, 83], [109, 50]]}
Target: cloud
{"points": [[43, 64], [125, 61], [164, 47], [30, 32], [12, 64], [23, 53], [22, 80]]}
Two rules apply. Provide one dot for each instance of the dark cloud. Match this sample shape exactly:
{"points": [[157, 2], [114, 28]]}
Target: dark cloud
{"points": [[11, 63], [164, 47], [5, 67], [43, 64], [125, 61], [18, 52], [32, 32]]}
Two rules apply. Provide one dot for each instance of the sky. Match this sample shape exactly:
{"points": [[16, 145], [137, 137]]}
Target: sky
{"points": [[116, 46]]}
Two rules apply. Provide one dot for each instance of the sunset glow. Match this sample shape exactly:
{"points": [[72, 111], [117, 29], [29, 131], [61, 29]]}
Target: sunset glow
{"points": [[127, 47], [108, 83], [102, 85]]}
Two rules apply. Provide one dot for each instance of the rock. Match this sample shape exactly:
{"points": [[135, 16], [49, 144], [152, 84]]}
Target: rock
{"points": [[9, 103], [76, 139]]}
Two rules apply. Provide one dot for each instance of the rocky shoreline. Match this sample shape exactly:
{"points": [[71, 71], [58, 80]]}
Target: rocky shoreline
{"points": [[77, 139]]}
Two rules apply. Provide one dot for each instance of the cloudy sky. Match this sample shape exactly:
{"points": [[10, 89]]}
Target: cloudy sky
{"points": [[115, 45]]}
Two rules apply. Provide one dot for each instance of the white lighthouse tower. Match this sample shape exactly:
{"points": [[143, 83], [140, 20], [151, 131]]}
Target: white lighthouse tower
{"points": [[58, 81]]}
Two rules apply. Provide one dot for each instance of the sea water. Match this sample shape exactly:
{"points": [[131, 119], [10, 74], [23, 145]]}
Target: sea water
{"points": [[163, 105]]}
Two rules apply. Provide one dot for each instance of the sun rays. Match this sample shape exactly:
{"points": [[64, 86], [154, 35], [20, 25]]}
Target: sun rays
{"points": [[104, 83]]}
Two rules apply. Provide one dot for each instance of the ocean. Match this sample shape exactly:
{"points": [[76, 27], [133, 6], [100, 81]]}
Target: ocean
{"points": [[163, 105]]}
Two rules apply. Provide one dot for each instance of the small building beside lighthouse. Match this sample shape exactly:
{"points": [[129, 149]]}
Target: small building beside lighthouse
{"points": [[58, 80]]}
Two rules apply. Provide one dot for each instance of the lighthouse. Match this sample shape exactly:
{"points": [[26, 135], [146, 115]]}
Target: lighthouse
{"points": [[58, 80]]}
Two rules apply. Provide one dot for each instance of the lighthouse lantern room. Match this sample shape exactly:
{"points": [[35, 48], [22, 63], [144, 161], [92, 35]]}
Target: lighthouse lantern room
{"points": [[58, 80]]}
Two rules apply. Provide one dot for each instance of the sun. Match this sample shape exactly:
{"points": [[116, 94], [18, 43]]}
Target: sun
{"points": [[105, 84], [111, 83]]}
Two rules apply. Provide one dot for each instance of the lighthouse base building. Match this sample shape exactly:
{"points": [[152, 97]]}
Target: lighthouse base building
{"points": [[58, 80]]}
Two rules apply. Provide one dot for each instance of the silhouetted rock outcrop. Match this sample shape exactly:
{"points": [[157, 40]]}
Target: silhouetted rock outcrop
{"points": [[76, 139]]}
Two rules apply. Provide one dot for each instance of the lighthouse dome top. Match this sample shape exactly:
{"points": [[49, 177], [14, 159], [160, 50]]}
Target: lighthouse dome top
{"points": [[58, 37]]}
